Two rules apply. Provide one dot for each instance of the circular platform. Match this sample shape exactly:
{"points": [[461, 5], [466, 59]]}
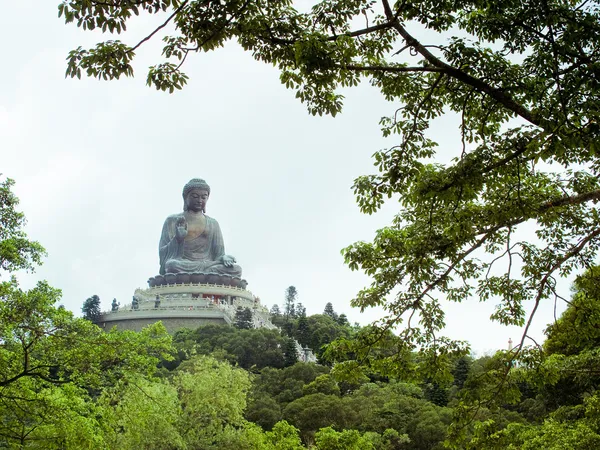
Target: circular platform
{"points": [[181, 305], [169, 279]]}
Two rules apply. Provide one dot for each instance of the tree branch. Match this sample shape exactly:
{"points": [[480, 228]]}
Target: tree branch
{"points": [[571, 253], [388, 68], [458, 74], [367, 30], [160, 27]]}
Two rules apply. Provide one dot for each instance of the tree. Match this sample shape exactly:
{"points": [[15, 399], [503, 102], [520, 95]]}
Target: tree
{"points": [[303, 331], [568, 368], [313, 412], [330, 312], [243, 318], [461, 371], [91, 309], [323, 330], [50, 362], [436, 394], [343, 320], [275, 311], [557, 432], [300, 310], [290, 303], [213, 396], [329, 439], [290, 352], [284, 437], [249, 348], [263, 410], [577, 328], [519, 77], [142, 414], [16, 250]]}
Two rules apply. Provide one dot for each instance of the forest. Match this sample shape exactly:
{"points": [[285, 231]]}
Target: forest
{"points": [[67, 384]]}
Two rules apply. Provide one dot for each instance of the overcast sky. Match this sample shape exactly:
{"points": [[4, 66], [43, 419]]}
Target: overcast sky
{"points": [[99, 165]]}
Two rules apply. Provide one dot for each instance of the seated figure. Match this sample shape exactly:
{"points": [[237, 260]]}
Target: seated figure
{"points": [[191, 241]]}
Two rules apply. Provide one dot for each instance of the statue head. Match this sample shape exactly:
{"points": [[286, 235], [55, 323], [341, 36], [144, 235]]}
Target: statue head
{"points": [[196, 187]]}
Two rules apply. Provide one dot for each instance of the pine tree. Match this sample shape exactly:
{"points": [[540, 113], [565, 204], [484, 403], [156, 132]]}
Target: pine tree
{"points": [[290, 302], [329, 311], [343, 320], [290, 352], [302, 331], [461, 371], [243, 318], [91, 309], [436, 394]]}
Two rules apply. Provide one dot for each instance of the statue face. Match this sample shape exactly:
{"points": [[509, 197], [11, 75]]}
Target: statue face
{"points": [[196, 200]]}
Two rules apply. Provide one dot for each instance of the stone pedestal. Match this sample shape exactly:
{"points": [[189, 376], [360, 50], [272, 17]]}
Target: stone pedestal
{"points": [[184, 305]]}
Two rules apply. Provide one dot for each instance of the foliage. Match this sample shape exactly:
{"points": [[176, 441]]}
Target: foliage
{"points": [[343, 319], [312, 412], [52, 364], [263, 410], [47, 356], [243, 318], [290, 352], [275, 311], [16, 250], [436, 394], [91, 309], [47, 416], [329, 439], [329, 311], [249, 348], [520, 77], [289, 311], [273, 389], [582, 314], [213, 398], [302, 333], [322, 330], [47, 344], [140, 413], [323, 384], [300, 310], [461, 371], [401, 407], [557, 432], [199, 406], [284, 437]]}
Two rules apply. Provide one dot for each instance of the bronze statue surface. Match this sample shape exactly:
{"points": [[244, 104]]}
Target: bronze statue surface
{"points": [[191, 242]]}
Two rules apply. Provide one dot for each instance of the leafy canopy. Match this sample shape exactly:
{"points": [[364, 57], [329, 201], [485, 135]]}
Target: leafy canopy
{"points": [[522, 76], [16, 250], [50, 361]]}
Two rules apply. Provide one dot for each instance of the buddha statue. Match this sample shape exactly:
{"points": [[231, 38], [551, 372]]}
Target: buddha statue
{"points": [[192, 242]]}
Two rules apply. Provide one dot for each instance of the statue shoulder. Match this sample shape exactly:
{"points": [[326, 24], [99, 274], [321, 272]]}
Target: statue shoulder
{"points": [[211, 221]]}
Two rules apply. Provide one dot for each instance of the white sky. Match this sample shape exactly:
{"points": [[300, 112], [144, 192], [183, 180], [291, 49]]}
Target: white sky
{"points": [[99, 165]]}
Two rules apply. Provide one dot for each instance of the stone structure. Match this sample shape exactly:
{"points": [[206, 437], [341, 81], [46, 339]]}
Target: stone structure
{"points": [[185, 305]]}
